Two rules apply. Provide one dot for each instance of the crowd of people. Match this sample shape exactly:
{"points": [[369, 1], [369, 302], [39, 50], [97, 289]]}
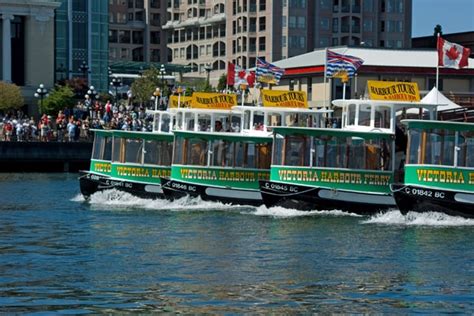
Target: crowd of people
{"points": [[72, 125]]}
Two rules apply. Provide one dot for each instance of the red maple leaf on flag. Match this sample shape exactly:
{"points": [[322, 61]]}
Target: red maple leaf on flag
{"points": [[242, 74], [452, 53]]}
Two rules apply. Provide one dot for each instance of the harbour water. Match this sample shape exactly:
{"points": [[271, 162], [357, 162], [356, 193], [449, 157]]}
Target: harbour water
{"points": [[117, 253]]}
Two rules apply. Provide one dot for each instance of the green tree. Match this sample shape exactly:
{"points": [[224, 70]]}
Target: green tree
{"points": [[143, 87], [10, 96], [222, 84], [59, 98]]}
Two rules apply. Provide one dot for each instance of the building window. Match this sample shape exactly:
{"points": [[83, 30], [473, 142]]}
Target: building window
{"points": [[301, 22], [324, 24], [261, 23], [292, 22], [263, 5], [261, 43], [283, 41], [368, 25], [335, 25], [113, 36], [155, 37]]}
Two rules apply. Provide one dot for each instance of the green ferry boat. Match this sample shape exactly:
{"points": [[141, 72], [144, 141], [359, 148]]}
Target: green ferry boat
{"points": [[348, 169], [130, 161], [228, 151], [439, 172]]}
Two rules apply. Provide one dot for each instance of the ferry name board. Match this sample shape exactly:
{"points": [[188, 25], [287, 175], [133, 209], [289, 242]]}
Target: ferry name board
{"points": [[284, 99], [183, 101], [393, 90], [204, 100]]}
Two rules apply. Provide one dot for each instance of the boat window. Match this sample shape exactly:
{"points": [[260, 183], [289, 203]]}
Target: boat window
{"points": [[108, 149], [252, 155], [438, 148], [189, 121], [156, 122], [165, 123], [180, 145], [196, 152], [466, 149], [414, 140], [382, 117], [178, 121], [258, 118], [351, 114], [158, 152], [297, 151], [357, 150], [235, 122], [278, 150], [119, 150], [204, 122], [364, 114], [222, 153], [336, 152], [133, 150], [274, 119], [99, 142]]}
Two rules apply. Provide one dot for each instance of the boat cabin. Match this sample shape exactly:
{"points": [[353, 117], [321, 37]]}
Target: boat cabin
{"points": [[384, 116], [244, 119], [131, 154], [440, 143]]}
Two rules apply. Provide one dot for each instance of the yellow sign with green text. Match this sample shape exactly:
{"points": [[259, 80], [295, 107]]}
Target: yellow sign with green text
{"points": [[204, 100], [182, 101], [393, 91], [284, 99]]}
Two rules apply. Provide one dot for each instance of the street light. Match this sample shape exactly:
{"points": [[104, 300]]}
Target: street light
{"points": [[208, 69], [84, 68], [41, 92], [116, 82], [155, 96], [162, 74], [92, 94]]}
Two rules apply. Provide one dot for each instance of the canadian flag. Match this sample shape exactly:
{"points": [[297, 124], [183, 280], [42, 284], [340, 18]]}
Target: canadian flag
{"points": [[237, 75], [452, 55]]}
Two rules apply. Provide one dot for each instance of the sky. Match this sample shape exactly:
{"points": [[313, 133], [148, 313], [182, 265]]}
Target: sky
{"points": [[453, 15]]}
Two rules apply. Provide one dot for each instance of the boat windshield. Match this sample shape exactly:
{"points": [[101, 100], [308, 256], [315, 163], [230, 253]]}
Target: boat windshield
{"points": [[141, 151], [439, 146], [102, 149], [337, 151]]}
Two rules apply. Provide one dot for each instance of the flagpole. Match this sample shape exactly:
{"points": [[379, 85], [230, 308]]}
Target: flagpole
{"points": [[325, 76], [437, 63]]}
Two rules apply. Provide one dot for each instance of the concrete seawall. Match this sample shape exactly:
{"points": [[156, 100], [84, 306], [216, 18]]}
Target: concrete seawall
{"points": [[44, 157]]}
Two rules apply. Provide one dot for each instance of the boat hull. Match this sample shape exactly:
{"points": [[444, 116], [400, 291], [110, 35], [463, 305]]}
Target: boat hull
{"points": [[174, 189], [91, 183], [421, 199], [316, 198]]}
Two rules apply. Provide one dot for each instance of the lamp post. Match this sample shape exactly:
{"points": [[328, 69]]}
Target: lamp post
{"points": [[162, 74], [116, 82], [156, 95], [91, 93], [208, 69], [84, 68], [40, 93]]}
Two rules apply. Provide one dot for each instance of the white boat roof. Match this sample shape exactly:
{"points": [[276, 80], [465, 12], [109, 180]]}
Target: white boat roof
{"points": [[281, 109], [395, 104], [371, 56]]}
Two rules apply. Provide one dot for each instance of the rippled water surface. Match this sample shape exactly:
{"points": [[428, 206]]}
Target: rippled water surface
{"points": [[117, 253]]}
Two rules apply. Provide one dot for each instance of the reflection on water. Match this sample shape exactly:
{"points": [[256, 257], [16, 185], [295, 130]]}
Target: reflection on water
{"points": [[118, 253]]}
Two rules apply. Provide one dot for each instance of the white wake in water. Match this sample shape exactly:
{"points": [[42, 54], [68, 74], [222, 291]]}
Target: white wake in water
{"points": [[278, 211], [78, 198], [115, 199], [418, 219]]}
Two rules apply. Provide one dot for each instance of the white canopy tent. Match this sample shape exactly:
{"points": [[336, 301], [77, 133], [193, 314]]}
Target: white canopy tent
{"points": [[436, 97]]}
